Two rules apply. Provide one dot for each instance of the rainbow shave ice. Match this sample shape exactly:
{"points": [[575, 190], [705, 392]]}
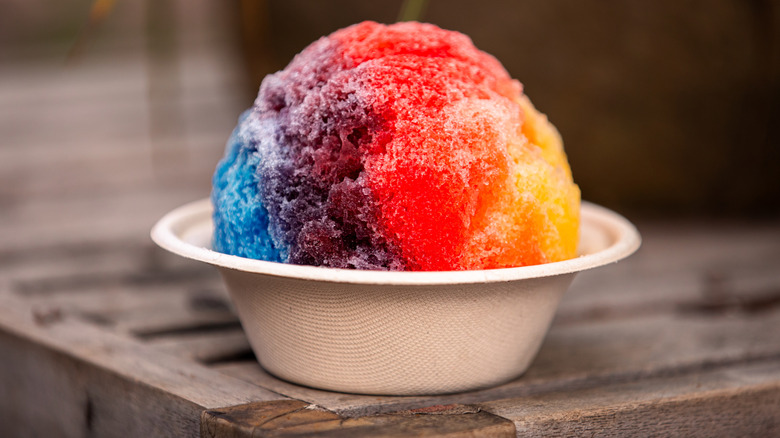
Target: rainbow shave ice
{"points": [[399, 147]]}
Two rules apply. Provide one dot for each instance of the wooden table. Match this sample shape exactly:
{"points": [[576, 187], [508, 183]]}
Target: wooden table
{"points": [[103, 334]]}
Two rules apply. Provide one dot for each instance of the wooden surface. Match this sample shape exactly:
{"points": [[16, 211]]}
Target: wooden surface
{"points": [[103, 334]]}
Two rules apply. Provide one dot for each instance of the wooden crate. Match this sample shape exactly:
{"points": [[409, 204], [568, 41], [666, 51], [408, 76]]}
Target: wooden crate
{"points": [[103, 334]]}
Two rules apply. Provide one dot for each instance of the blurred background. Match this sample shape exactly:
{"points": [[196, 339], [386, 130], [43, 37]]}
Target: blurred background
{"points": [[114, 112], [667, 108]]}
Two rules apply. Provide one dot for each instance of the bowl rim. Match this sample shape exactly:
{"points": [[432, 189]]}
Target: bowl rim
{"points": [[168, 231]]}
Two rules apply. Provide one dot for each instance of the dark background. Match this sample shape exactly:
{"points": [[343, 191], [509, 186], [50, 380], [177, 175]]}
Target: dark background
{"points": [[667, 108]]}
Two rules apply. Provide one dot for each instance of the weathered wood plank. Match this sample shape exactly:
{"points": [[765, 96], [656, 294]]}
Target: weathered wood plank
{"points": [[584, 355], [115, 267], [682, 266], [211, 69], [95, 167], [137, 291], [50, 392], [151, 310], [295, 418], [165, 321], [126, 172], [124, 126], [89, 220], [257, 419], [130, 359], [734, 401], [205, 347], [114, 91], [120, 310]]}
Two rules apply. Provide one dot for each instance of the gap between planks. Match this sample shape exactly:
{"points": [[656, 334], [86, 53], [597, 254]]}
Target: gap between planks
{"points": [[742, 400], [130, 358], [581, 356]]}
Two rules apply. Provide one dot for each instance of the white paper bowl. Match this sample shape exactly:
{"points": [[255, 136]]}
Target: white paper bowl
{"points": [[399, 333]]}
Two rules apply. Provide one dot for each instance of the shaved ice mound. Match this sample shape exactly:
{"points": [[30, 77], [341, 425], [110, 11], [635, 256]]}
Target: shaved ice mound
{"points": [[398, 147]]}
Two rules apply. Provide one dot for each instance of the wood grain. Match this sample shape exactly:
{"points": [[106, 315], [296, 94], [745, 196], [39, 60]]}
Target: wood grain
{"points": [[62, 376], [584, 355], [103, 334], [296, 419], [738, 401], [682, 265]]}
